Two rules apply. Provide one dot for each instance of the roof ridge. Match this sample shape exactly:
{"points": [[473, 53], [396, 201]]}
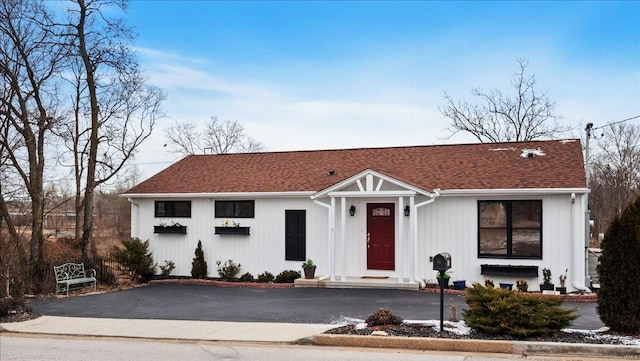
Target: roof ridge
{"points": [[390, 147]]}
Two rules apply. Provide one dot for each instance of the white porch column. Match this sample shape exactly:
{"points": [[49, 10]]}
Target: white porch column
{"points": [[413, 235], [343, 237], [332, 239], [401, 238]]}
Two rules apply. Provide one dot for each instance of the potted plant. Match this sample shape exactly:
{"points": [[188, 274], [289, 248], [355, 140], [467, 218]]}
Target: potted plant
{"points": [[460, 285], [506, 286], [235, 229], [563, 279], [522, 285], [546, 284], [309, 269], [174, 227], [445, 281]]}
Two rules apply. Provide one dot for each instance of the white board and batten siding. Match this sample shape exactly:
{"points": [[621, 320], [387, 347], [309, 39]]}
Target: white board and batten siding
{"points": [[263, 250], [449, 224]]}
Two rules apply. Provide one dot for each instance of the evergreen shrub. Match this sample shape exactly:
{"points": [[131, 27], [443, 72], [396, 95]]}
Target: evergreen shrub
{"points": [[504, 312], [167, 268], [247, 277], [288, 276], [199, 265], [229, 270], [265, 277], [619, 272], [13, 305], [136, 258]]}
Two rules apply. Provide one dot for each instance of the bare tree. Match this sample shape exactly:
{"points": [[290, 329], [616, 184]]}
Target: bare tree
{"points": [[615, 173], [114, 108], [497, 117], [29, 64], [217, 137]]}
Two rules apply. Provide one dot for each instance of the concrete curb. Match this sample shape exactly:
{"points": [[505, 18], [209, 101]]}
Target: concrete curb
{"points": [[488, 346]]}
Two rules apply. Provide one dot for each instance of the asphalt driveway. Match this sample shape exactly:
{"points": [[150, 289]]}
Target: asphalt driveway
{"points": [[291, 305]]}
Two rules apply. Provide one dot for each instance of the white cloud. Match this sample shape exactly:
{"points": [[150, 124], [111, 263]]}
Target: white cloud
{"points": [[376, 105]]}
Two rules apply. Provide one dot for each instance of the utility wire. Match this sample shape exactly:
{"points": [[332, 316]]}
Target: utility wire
{"points": [[618, 122]]}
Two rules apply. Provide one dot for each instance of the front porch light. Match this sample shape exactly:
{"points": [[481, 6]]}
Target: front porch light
{"points": [[352, 210], [406, 211]]}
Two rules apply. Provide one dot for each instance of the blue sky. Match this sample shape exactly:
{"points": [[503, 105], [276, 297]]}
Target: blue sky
{"points": [[331, 74]]}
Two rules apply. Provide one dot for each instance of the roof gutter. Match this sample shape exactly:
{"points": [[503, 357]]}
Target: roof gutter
{"points": [[517, 191], [219, 195]]}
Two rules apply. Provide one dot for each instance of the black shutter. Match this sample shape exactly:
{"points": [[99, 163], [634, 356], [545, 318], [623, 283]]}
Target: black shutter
{"points": [[295, 235]]}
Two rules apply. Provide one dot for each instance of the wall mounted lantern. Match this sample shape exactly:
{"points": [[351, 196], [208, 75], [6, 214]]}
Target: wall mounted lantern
{"points": [[406, 211], [352, 210]]}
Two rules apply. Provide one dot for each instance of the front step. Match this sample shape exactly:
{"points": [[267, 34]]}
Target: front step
{"points": [[354, 282]]}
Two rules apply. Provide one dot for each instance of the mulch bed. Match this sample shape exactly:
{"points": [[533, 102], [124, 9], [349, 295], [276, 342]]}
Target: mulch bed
{"points": [[419, 330]]}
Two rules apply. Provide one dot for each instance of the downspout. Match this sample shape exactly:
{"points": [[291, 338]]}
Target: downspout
{"points": [[137, 218], [322, 278], [573, 245], [414, 213]]}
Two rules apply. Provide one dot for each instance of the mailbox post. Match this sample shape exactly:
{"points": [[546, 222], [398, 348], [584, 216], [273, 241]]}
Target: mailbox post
{"points": [[442, 263]]}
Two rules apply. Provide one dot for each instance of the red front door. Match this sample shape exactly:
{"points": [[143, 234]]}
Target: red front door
{"points": [[381, 236]]}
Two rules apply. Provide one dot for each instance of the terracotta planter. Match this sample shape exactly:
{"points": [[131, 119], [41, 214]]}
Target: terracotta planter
{"points": [[309, 272]]}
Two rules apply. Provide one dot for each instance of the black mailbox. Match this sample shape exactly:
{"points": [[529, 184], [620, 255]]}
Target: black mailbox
{"points": [[442, 261]]}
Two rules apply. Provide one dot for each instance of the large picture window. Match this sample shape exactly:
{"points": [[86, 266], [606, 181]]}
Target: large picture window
{"points": [[178, 209], [235, 209], [510, 229]]}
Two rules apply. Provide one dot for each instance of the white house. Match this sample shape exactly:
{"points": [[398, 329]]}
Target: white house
{"points": [[502, 211]]}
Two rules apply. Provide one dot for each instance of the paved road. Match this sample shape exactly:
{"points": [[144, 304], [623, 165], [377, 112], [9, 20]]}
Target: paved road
{"points": [[291, 305], [42, 348]]}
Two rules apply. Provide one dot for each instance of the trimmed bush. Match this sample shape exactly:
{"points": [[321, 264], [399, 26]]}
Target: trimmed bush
{"points": [[619, 272], [247, 277], [265, 277], [136, 258], [383, 317], [199, 265], [287, 276], [504, 312], [229, 270], [167, 268]]}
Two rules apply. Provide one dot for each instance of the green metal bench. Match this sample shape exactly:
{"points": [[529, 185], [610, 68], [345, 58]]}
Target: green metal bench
{"points": [[73, 274]]}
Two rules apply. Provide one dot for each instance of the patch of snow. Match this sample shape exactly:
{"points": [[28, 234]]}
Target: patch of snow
{"points": [[379, 333], [345, 320], [501, 149], [565, 141], [625, 340], [459, 328]]}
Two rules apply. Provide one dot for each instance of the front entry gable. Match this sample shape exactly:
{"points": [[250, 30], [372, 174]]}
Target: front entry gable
{"points": [[370, 183]]}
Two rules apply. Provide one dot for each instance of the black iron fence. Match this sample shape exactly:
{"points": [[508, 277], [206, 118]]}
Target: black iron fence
{"points": [[107, 270]]}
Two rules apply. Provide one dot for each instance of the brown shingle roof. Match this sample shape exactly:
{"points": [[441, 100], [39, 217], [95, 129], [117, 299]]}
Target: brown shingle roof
{"points": [[467, 166]]}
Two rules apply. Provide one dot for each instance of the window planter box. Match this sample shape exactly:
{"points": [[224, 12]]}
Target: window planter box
{"points": [[170, 229], [508, 270], [240, 231]]}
